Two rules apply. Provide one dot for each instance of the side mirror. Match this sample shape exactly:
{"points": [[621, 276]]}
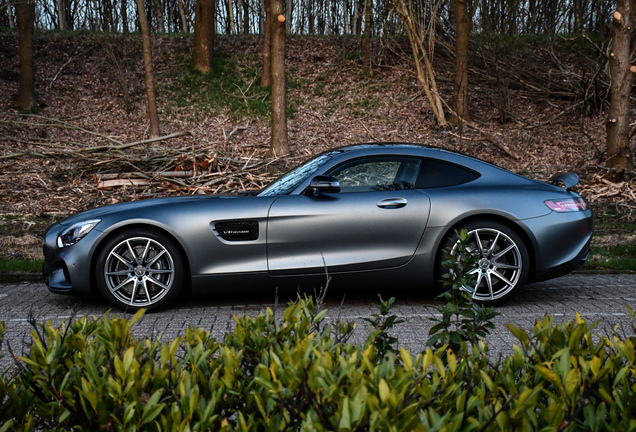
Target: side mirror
{"points": [[324, 184]]}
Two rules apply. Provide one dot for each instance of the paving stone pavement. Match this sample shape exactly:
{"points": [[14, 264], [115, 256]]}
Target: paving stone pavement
{"points": [[595, 297]]}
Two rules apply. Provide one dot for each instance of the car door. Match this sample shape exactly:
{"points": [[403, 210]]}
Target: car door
{"points": [[375, 221]]}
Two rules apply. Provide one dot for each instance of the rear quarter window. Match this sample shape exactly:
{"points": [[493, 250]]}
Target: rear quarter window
{"points": [[436, 174]]}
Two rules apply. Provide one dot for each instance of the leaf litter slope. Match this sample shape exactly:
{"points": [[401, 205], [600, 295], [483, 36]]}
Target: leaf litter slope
{"points": [[65, 158]]}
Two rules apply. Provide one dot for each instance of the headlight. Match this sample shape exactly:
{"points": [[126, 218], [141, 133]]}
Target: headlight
{"points": [[76, 232]]}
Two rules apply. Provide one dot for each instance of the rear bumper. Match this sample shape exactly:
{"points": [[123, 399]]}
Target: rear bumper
{"points": [[562, 243], [565, 268]]}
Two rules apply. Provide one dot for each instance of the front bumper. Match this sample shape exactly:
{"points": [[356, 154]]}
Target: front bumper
{"points": [[68, 270]]}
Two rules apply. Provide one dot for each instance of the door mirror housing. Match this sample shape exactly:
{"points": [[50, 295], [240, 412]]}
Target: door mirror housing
{"points": [[324, 184]]}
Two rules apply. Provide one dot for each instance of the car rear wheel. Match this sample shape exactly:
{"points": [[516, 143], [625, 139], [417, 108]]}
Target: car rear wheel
{"points": [[140, 269], [502, 260]]}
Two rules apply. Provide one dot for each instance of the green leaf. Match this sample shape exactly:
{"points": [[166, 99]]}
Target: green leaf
{"points": [[345, 419]]}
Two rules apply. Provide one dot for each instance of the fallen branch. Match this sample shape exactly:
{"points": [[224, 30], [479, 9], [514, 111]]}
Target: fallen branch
{"points": [[132, 144]]}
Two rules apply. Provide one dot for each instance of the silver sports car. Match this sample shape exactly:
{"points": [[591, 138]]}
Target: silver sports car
{"points": [[367, 215]]}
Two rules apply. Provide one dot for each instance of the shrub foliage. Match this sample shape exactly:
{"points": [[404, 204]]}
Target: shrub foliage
{"points": [[296, 372]]}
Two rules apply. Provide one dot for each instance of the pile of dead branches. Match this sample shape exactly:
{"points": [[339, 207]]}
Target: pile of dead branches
{"points": [[601, 190]]}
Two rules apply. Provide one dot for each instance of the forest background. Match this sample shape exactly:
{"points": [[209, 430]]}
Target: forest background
{"points": [[534, 86]]}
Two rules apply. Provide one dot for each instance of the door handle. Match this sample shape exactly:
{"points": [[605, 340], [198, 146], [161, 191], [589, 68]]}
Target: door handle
{"points": [[392, 203]]}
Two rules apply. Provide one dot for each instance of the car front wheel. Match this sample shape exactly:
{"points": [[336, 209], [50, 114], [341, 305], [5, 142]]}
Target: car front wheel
{"points": [[502, 261], [140, 269]]}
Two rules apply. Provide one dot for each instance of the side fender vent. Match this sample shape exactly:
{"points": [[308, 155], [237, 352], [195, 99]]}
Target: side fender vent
{"points": [[237, 230]]}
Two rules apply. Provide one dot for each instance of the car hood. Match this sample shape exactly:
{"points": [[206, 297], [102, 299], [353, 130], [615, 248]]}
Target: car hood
{"points": [[138, 205]]}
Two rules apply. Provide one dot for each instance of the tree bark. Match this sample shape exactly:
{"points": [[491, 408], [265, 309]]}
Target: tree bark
{"points": [[124, 16], [149, 73], [619, 154], [25, 11], [460, 84], [279, 145], [230, 17], [61, 14], [266, 78], [205, 13], [182, 17], [367, 35]]}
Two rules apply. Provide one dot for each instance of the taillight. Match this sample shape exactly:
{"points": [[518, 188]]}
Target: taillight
{"points": [[568, 205]]}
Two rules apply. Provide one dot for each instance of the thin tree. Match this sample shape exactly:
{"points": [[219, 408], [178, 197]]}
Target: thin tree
{"points": [[205, 13], [619, 154], [279, 145], [266, 78], [463, 16], [25, 11], [149, 73], [367, 35]]}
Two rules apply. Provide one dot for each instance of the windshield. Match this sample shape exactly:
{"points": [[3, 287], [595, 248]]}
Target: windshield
{"points": [[290, 181]]}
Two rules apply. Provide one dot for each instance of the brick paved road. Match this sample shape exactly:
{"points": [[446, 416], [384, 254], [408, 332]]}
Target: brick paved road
{"points": [[596, 297]]}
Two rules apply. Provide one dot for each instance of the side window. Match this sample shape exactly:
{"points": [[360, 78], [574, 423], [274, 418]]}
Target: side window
{"points": [[376, 174], [435, 173]]}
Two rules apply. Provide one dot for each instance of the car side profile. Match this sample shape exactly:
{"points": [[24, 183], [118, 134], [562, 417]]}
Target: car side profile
{"points": [[367, 215]]}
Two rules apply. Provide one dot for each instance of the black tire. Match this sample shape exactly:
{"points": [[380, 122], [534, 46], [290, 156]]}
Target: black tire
{"points": [[140, 268], [504, 263]]}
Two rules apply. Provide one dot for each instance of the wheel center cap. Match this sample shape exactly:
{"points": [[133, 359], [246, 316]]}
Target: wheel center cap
{"points": [[140, 271], [484, 263]]}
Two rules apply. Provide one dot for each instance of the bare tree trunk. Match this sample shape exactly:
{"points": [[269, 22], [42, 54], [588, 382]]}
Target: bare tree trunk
{"points": [[182, 16], [288, 17], [462, 24], [149, 74], [124, 15], [159, 14], [310, 16], [279, 145], [619, 154], [367, 35], [230, 17], [246, 17], [345, 12], [25, 11], [355, 30], [239, 16], [266, 78], [205, 13], [10, 15], [61, 14]]}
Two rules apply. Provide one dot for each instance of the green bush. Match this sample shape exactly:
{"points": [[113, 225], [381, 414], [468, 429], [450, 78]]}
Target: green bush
{"points": [[296, 372]]}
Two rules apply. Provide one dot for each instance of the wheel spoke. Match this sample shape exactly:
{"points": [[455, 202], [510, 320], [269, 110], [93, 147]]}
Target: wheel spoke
{"points": [[489, 283], [493, 244], [147, 292], [502, 278], [160, 271], [506, 266], [123, 260], [132, 252], [156, 257], [118, 273], [133, 294], [478, 242], [503, 252], [158, 283], [121, 285], [145, 253]]}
